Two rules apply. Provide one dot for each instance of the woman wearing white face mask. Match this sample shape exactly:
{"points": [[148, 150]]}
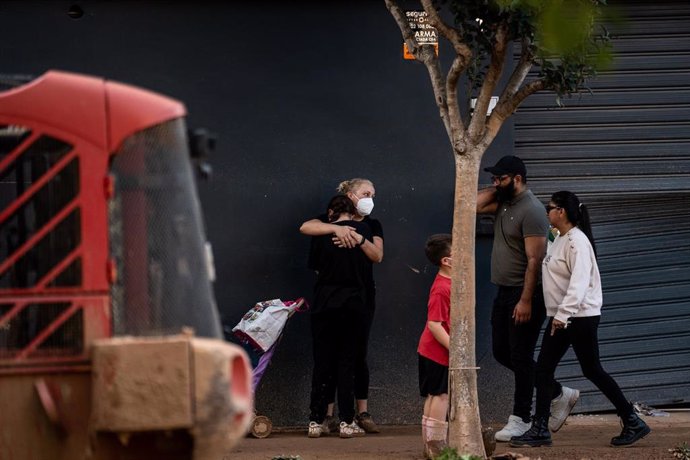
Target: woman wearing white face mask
{"points": [[361, 192]]}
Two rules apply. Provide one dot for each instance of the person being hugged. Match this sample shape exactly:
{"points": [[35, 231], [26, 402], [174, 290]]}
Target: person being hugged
{"points": [[338, 316], [433, 349]]}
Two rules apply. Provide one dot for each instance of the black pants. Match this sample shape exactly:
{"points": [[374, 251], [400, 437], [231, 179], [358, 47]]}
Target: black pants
{"points": [[513, 344], [361, 350], [334, 335], [582, 335], [361, 364]]}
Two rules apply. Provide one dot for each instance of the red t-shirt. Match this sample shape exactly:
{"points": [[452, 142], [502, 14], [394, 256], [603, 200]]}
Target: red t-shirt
{"points": [[439, 310]]}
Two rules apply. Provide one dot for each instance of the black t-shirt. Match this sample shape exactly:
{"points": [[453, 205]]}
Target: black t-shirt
{"points": [[342, 272], [375, 229]]}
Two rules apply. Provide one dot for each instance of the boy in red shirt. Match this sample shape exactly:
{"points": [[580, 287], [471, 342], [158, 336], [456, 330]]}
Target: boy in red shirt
{"points": [[433, 349]]}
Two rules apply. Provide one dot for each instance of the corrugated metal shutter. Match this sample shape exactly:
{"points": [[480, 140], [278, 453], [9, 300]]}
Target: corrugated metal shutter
{"points": [[625, 149]]}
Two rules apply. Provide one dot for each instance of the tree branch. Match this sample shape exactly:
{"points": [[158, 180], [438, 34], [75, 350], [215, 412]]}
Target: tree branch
{"points": [[493, 74], [520, 72], [452, 35], [426, 55], [463, 54], [505, 108], [527, 90]]}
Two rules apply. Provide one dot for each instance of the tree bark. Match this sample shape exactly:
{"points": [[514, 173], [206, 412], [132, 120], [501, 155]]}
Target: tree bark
{"points": [[465, 431]]}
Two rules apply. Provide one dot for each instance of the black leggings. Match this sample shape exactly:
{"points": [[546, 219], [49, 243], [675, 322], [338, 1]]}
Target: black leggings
{"points": [[334, 333], [582, 335], [361, 365], [361, 350]]}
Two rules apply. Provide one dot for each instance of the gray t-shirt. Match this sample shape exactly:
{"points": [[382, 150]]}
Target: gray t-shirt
{"points": [[521, 217]]}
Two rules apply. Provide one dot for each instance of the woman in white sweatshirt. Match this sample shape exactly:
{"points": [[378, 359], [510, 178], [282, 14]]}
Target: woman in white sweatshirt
{"points": [[572, 293]]}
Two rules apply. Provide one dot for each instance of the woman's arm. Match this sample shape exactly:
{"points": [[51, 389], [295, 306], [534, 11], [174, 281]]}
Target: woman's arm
{"points": [[580, 265], [344, 233], [373, 250], [378, 242]]}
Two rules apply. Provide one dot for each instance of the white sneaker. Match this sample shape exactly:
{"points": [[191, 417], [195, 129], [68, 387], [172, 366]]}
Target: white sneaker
{"points": [[315, 430], [561, 407], [514, 427], [350, 430]]}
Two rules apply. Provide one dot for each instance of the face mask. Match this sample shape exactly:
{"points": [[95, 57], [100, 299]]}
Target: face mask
{"points": [[506, 193], [365, 206]]}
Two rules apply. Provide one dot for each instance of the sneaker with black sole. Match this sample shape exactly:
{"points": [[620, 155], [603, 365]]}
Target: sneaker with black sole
{"points": [[634, 429], [537, 436], [365, 421]]}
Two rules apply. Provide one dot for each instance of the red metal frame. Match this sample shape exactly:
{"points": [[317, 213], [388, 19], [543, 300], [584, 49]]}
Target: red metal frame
{"points": [[94, 116], [96, 310]]}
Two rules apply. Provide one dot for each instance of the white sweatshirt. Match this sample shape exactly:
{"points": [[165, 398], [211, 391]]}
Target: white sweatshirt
{"points": [[570, 276]]}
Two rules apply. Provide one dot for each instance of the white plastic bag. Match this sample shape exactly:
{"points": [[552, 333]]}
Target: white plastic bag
{"points": [[262, 325]]}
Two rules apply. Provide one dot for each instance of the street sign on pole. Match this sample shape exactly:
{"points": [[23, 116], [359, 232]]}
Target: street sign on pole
{"points": [[424, 33]]}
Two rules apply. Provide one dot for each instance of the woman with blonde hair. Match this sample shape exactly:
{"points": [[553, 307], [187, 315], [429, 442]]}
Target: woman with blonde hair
{"points": [[361, 192]]}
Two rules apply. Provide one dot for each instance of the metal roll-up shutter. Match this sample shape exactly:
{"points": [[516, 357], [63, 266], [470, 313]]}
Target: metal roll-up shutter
{"points": [[625, 150]]}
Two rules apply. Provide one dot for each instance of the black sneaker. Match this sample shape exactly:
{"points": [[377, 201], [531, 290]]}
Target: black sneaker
{"points": [[365, 421], [331, 424]]}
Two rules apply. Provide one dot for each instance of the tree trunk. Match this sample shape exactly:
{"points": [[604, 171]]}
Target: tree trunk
{"points": [[465, 425]]}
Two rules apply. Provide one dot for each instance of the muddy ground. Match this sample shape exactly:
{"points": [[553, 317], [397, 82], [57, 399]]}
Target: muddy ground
{"points": [[583, 437]]}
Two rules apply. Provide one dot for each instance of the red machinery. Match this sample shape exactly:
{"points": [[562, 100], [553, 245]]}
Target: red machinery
{"points": [[102, 267]]}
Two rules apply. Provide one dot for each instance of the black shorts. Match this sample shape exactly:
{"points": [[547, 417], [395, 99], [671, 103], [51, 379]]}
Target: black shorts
{"points": [[433, 377]]}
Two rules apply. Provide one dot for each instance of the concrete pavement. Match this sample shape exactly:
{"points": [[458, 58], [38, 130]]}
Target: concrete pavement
{"points": [[583, 437]]}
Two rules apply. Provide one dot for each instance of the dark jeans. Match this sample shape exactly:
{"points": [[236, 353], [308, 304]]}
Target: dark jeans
{"points": [[334, 334], [582, 335], [514, 344]]}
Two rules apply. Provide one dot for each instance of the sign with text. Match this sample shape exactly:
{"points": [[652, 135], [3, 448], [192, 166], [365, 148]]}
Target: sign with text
{"points": [[424, 33]]}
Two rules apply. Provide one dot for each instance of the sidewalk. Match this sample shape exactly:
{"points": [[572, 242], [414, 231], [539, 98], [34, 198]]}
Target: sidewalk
{"points": [[582, 437]]}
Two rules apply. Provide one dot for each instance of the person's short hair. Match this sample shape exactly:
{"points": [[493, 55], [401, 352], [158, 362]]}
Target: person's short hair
{"points": [[437, 247], [338, 205]]}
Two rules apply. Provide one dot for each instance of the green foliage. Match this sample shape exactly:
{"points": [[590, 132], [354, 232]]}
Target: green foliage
{"points": [[451, 453], [681, 451], [563, 38]]}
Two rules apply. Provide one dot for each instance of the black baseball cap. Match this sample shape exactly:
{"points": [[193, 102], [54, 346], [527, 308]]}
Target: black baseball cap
{"points": [[509, 164]]}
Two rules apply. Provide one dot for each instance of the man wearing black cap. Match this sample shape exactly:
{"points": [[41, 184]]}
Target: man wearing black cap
{"points": [[520, 232]]}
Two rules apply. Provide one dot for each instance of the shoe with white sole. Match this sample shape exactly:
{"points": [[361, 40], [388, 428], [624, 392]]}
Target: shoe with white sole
{"points": [[514, 427], [350, 430], [561, 407], [315, 430]]}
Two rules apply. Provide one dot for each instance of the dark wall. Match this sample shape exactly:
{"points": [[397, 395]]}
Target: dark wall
{"points": [[302, 96]]}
